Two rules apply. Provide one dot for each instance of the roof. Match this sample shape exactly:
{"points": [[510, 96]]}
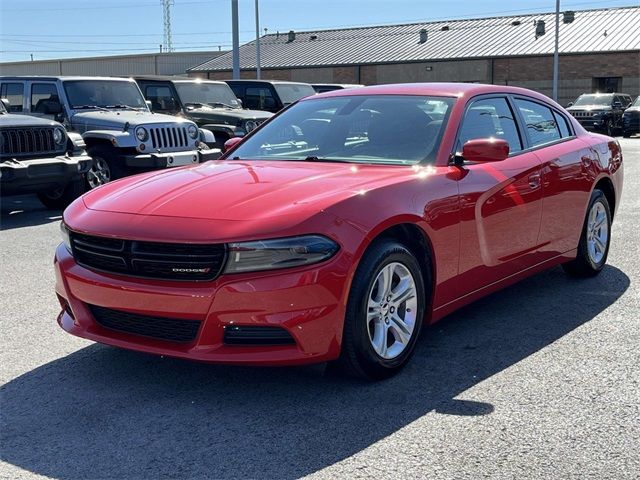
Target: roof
{"points": [[175, 79], [600, 30], [53, 78], [249, 80]]}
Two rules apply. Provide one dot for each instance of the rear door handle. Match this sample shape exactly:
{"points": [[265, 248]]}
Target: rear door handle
{"points": [[534, 180]]}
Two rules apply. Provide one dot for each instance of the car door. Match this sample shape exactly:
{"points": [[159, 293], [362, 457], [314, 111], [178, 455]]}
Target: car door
{"points": [[162, 98], [44, 100], [13, 91], [501, 202]]}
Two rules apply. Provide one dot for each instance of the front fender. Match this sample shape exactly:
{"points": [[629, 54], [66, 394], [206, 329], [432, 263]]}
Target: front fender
{"points": [[116, 138], [207, 136], [228, 130]]}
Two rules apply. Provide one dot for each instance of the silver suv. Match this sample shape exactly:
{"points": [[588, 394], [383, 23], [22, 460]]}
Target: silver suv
{"points": [[122, 135]]}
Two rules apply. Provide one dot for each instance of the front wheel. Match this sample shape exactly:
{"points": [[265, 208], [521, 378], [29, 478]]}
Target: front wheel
{"points": [[384, 312], [593, 247], [106, 167], [60, 198], [610, 129]]}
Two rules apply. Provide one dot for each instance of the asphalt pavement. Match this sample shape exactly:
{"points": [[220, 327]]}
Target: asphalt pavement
{"points": [[541, 380]]}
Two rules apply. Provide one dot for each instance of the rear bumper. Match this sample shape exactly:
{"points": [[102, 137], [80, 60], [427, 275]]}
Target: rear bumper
{"points": [[41, 174], [307, 303]]}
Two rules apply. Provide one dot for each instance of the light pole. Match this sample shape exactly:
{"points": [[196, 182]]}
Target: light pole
{"points": [[236, 39], [555, 53], [257, 41]]}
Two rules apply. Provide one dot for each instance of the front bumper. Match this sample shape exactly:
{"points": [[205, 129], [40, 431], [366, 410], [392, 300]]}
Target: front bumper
{"points": [[593, 124], [172, 159], [18, 176], [309, 303]]}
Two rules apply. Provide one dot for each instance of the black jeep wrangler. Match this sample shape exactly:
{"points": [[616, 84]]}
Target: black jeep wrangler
{"points": [[39, 156], [211, 105], [600, 112]]}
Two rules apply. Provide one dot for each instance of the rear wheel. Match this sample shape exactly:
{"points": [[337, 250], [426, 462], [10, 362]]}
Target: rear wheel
{"points": [[106, 166], [593, 248], [384, 313], [60, 198], [626, 134]]}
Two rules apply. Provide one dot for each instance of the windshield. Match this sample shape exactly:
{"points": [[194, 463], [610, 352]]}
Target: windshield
{"points": [[104, 94], [637, 102], [2, 109], [386, 129], [292, 92], [212, 94], [602, 99]]}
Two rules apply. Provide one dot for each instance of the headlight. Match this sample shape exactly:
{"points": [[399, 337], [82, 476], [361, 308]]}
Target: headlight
{"points": [[58, 136], [279, 253], [64, 231], [250, 125], [193, 131], [142, 134]]}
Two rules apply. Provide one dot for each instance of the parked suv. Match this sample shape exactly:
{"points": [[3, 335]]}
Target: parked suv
{"points": [[631, 119], [212, 105], [122, 135], [39, 156], [269, 95], [600, 111]]}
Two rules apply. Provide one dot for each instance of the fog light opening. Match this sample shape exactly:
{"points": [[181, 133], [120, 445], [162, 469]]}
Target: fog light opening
{"points": [[65, 306]]}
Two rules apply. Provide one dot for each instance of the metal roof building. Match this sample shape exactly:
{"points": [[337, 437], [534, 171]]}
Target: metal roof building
{"points": [[170, 63], [457, 50]]}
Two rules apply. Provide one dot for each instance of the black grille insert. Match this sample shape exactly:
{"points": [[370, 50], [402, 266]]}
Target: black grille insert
{"points": [[249, 335], [22, 141], [160, 328], [165, 261]]}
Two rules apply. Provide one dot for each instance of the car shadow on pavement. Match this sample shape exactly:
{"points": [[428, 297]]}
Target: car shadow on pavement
{"points": [[24, 211], [107, 413]]}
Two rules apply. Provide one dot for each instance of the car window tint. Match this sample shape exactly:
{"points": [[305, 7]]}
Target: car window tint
{"points": [[161, 98], [540, 123], [490, 118], [43, 94], [259, 98], [565, 131], [14, 92]]}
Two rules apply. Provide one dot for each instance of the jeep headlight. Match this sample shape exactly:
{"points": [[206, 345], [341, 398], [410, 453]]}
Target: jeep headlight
{"points": [[58, 136], [192, 130], [142, 134], [279, 253], [250, 125]]}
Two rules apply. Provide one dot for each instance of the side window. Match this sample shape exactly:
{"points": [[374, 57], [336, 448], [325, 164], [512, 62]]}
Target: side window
{"points": [[161, 98], [540, 122], [43, 95], [259, 98], [565, 131], [491, 117], [238, 90], [14, 92]]}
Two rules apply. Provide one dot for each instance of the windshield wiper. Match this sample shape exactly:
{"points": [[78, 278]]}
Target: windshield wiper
{"points": [[214, 104], [313, 158], [87, 107], [122, 106], [195, 104]]}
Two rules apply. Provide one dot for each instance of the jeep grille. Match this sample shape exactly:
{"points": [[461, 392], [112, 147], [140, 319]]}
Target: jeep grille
{"points": [[28, 141], [169, 138]]}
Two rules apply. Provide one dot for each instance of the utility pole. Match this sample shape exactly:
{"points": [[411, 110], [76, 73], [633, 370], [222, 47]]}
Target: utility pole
{"points": [[166, 18], [555, 53], [257, 41], [236, 39]]}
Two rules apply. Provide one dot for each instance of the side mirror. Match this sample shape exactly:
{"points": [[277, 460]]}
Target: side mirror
{"points": [[231, 143], [617, 104], [6, 103], [570, 104], [630, 104], [52, 108], [485, 150], [240, 103], [149, 105]]}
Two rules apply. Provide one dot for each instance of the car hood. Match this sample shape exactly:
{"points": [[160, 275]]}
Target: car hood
{"points": [[633, 110], [12, 120], [228, 114], [241, 190], [116, 119]]}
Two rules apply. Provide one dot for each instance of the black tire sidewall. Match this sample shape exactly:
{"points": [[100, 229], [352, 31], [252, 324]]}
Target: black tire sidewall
{"points": [[372, 263], [596, 197]]}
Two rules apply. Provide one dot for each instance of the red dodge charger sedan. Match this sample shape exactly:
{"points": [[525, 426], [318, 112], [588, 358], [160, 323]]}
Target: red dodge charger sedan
{"points": [[340, 227]]}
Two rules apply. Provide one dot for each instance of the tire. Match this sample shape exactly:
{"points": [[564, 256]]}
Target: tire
{"points": [[593, 247], [626, 134], [364, 352], [60, 198], [609, 128], [106, 167]]}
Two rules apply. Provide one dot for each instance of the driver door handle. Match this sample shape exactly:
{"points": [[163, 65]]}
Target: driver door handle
{"points": [[534, 180]]}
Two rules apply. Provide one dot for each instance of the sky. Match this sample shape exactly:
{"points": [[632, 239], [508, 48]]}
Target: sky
{"points": [[79, 28]]}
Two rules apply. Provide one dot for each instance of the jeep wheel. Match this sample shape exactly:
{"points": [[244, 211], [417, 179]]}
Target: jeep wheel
{"points": [[60, 198], [105, 167], [609, 128]]}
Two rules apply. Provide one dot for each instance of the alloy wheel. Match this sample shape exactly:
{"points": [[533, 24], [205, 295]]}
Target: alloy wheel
{"points": [[597, 233], [99, 174], [392, 309]]}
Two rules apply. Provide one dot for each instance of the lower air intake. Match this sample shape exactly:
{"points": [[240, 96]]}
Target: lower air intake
{"points": [[237, 335]]}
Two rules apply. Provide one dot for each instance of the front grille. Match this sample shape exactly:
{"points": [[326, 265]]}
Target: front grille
{"points": [[160, 328], [582, 114], [169, 137], [165, 261], [21, 141], [250, 335]]}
